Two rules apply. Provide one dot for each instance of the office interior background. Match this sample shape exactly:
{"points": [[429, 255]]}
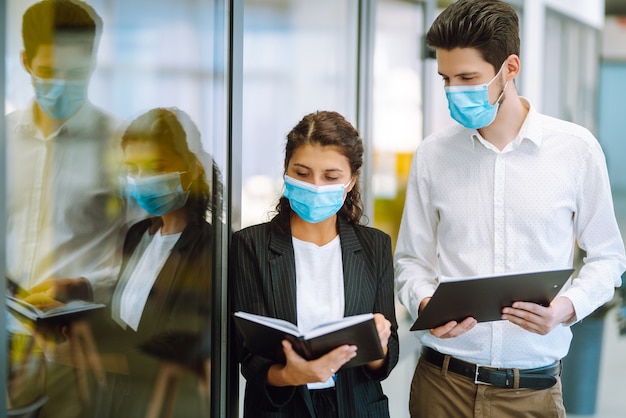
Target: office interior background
{"points": [[248, 70]]}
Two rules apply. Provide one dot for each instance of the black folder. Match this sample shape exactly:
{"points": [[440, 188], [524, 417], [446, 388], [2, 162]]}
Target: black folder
{"points": [[484, 297]]}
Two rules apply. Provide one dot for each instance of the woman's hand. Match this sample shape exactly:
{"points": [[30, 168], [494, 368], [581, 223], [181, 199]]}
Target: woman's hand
{"points": [[298, 371], [383, 326]]}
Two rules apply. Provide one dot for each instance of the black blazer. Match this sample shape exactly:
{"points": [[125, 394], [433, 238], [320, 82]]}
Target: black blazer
{"points": [[180, 299], [263, 280], [175, 323]]}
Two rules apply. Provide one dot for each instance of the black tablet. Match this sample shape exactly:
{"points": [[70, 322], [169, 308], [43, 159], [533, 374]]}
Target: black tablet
{"points": [[484, 297]]}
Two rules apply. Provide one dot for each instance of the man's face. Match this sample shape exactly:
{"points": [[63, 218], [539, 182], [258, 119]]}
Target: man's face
{"points": [[466, 67], [60, 61]]}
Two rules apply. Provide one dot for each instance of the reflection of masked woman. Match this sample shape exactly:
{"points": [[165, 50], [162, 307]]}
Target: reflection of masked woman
{"points": [[162, 300]]}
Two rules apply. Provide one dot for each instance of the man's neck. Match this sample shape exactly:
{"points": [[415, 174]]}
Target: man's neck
{"points": [[509, 120], [46, 124]]}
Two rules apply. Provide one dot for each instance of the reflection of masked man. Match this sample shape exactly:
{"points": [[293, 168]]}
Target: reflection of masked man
{"points": [[64, 210]]}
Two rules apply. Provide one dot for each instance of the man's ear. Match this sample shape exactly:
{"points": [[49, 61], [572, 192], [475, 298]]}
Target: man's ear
{"points": [[25, 62], [512, 66]]}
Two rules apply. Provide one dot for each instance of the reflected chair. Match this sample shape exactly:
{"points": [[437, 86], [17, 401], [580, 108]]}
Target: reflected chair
{"points": [[30, 411], [181, 354]]}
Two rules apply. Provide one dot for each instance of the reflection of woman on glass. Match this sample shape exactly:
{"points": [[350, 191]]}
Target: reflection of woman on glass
{"points": [[313, 263], [162, 299]]}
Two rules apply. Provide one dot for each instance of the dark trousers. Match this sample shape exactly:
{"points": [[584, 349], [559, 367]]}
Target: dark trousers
{"points": [[325, 403]]}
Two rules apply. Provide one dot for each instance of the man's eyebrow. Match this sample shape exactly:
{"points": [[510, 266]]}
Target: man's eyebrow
{"points": [[465, 74]]}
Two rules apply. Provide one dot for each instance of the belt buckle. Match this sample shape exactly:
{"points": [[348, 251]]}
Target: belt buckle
{"points": [[476, 381]]}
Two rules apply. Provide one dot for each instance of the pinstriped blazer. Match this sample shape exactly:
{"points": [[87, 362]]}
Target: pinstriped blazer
{"points": [[262, 269]]}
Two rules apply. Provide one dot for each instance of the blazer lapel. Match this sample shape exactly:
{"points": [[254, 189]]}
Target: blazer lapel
{"points": [[283, 277], [353, 267]]}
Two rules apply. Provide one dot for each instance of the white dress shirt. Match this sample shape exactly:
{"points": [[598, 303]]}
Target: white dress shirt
{"points": [[319, 287], [64, 207], [473, 210], [145, 266]]}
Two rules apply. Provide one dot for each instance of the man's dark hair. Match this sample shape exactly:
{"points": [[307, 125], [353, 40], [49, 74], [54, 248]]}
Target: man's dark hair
{"points": [[60, 22], [490, 26]]}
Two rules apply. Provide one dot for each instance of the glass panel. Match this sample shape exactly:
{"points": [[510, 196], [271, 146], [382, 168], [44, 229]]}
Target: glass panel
{"points": [[116, 141], [397, 106], [571, 73], [398, 118], [299, 56]]}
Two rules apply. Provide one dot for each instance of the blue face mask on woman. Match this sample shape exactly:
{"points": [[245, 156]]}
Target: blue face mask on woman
{"points": [[469, 105], [159, 194], [60, 98], [314, 203]]}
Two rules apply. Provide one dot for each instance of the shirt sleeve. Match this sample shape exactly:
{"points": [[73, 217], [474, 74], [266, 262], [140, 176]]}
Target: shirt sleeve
{"points": [[415, 256], [598, 236]]}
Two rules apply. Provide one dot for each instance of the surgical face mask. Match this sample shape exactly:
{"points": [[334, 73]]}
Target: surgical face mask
{"points": [[469, 105], [314, 203], [159, 194], [60, 98]]}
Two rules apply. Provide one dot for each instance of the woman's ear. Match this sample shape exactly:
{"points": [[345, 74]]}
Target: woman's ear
{"points": [[353, 181], [195, 169]]}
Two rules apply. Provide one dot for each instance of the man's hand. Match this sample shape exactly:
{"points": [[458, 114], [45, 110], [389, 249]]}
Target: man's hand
{"points": [[451, 329], [454, 329], [540, 319], [64, 290]]}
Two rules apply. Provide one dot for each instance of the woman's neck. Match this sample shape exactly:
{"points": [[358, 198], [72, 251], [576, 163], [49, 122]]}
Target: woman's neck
{"points": [[174, 222], [320, 233]]}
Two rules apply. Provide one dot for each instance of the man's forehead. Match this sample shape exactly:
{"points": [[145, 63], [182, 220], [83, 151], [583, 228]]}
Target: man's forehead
{"points": [[459, 61], [63, 54]]}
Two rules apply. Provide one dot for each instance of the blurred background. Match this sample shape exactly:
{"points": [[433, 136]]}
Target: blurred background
{"points": [[248, 70]]}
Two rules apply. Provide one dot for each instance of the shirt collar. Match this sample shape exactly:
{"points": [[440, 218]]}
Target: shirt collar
{"points": [[78, 121], [530, 130]]}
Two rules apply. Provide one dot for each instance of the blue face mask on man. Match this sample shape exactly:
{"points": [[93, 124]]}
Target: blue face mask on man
{"points": [[314, 203], [60, 98], [159, 194], [469, 105]]}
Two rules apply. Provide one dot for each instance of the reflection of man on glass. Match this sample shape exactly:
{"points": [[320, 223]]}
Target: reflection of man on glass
{"points": [[63, 206], [64, 210]]}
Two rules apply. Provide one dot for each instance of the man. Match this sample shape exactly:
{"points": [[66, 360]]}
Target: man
{"points": [[507, 190], [65, 212]]}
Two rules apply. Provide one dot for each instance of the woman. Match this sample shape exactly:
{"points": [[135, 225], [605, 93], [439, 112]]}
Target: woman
{"points": [[312, 263], [161, 302]]}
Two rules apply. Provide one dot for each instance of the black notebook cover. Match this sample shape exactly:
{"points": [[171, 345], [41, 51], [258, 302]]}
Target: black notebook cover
{"points": [[483, 298], [265, 340]]}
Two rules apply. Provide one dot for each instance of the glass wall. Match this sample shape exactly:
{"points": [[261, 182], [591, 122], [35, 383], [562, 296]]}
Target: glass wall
{"points": [[571, 66], [299, 56], [117, 161]]}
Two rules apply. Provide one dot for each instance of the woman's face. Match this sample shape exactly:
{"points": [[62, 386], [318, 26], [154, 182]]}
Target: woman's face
{"points": [[320, 165], [148, 158]]}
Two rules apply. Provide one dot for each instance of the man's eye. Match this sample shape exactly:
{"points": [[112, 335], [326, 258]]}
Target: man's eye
{"points": [[79, 74]]}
